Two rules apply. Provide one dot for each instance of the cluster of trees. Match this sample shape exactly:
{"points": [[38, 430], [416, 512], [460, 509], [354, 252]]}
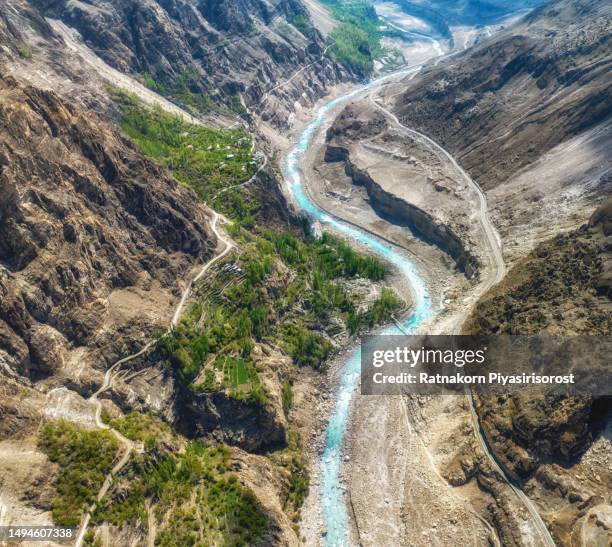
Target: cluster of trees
{"points": [[183, 90], [262, 307], [356, 40], [330, 256], [140, 427], [205, 159], [307, 348], [222, 511], [84, 458], [380, 311]]}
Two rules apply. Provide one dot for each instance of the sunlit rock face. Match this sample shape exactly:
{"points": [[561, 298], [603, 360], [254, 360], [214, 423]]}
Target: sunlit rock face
{"points": [[505, 102], [83, 216], [231, 52]]}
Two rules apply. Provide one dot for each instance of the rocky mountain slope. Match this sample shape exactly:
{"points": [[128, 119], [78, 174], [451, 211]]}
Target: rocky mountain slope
{"points": [[527, 113], [89, 228], [94, 243], [443, 15], [98, 242], [204, 55], [502, 104], [546, 441]]}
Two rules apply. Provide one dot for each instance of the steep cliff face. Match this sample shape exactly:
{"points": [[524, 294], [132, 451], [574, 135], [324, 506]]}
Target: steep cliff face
{"points": [[401, 212], [218, 417], [357, 128], [95, 241], [87, 227], [502, 104], [562, 288], [230, 53]]}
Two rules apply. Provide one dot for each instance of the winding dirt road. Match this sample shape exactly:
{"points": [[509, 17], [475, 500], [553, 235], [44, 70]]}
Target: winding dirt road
{"points": [[496, 273], [113, 371], [498, 266]]}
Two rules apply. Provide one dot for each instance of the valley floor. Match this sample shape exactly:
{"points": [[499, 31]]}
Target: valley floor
{"points": [[399, 453]]}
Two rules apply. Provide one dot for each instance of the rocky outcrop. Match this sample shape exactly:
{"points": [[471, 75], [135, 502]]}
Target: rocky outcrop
{"points": [[556, 290], [527, 430], [402, 213], [82, 214], [601, 223], [442, 15], [219, 417], [556, 446]]}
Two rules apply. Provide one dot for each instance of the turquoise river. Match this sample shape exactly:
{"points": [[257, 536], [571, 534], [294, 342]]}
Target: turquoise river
{"points": [[333, 501]]}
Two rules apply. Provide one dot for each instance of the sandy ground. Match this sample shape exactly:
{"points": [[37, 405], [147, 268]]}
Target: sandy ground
{"points": [[569, 177], [399, 496], [22, 464], [321, 17]]}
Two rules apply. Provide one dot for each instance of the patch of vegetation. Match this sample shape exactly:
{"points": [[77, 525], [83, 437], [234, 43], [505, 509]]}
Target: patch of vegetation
{"points": [[329, 257], [283, 289], [307, 348], [296, 490], [137, 426], [181, 91], [208, 160], [85, 458], [287, 396], [354, 47], [25, 50], [90, 539], [236, 106], [380, 311], [382, 308], [356, 40], [298, 485], [197, 499], [301, 23]]}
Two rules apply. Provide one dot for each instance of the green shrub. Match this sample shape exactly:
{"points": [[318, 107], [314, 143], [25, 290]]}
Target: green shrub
{"points": [[287, 396], [353, 322], [290, 457], [299, 481], [307, 348], [85, 458], [301, 23], [382, 309], [25, 50], [141, 427]]}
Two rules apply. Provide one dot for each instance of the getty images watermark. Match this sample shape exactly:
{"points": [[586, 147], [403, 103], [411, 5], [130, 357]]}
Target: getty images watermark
{"points": [[450, 364]]}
